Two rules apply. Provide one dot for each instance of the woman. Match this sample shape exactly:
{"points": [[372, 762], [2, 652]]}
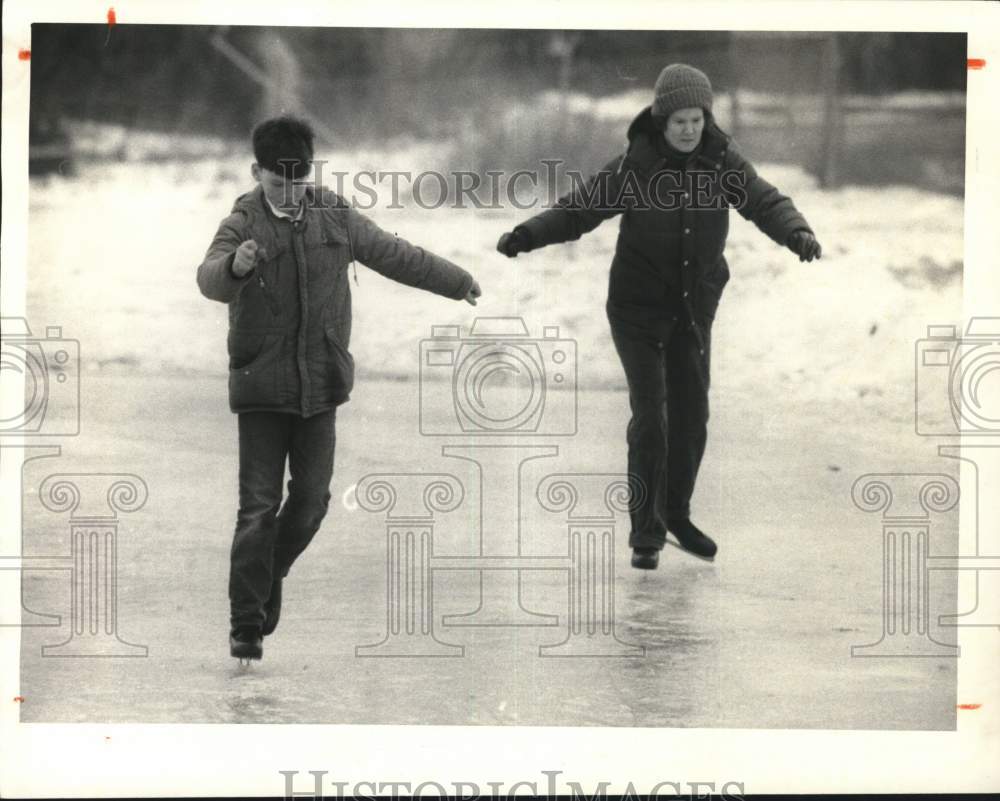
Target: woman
{"points": [[673, 187]]}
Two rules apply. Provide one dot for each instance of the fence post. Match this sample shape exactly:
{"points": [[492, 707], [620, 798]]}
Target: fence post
{"points": [[830, 129]]}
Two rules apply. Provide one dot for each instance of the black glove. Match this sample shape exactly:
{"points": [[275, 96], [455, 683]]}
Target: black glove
{"points": [[804, 245], [514, 242]]}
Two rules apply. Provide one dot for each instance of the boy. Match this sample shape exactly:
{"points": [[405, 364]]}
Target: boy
{"points": [[280, 260]]}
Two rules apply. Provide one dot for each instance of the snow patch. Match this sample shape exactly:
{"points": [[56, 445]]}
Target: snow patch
{"points": [[113, 254]]}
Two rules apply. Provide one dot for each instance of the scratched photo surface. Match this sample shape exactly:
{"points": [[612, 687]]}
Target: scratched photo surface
{"points": [[473, 566]]}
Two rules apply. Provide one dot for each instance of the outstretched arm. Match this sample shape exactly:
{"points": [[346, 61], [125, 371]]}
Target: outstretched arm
{"points": [[217, 278], [408, 264], [581, 210], [771, 211]]}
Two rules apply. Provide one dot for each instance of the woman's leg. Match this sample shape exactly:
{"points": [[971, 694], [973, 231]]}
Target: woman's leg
{"points": [[687, 416], [642, 356]]}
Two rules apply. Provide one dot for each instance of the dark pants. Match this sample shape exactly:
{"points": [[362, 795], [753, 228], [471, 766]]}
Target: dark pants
{"points": [[268, 541], [668, 381]]}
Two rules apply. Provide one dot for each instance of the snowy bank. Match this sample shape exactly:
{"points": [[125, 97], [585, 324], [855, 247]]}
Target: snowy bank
{"points": [[113, 253]]}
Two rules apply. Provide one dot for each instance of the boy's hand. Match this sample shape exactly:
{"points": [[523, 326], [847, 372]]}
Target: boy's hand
{"points": [[474, 292], [805, 246], [512, 243], [247, 256]]}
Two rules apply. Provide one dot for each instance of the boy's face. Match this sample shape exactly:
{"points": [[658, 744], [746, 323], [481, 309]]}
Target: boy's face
{"points": [[284, 194]]}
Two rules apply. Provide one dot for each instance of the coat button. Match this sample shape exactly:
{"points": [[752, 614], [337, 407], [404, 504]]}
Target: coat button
{"points": [[687, 230], [685, 293], [686, 262]]}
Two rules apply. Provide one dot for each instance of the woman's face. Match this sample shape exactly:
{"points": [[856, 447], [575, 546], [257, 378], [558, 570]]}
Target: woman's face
{"points": [[683, 129]]}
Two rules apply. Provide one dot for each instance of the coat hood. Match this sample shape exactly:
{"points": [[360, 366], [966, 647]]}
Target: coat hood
{"points": [[254, 196], [642, 124]]}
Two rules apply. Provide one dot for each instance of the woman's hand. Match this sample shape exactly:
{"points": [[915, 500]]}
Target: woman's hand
{"points": [[512, 243], [805, 246]]}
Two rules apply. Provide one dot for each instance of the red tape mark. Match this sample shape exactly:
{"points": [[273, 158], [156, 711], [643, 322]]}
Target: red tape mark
{"points": [[976, 63], [969, 706], [18, 699], [24, 55], [112, 19]]}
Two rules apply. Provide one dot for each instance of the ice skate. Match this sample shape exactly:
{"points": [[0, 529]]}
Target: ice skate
{"points": [[645, 558], [692, 539], [245, 644]]}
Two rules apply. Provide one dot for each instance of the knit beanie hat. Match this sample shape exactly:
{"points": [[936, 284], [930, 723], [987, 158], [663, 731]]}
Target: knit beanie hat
{"points": [[681, 86]]}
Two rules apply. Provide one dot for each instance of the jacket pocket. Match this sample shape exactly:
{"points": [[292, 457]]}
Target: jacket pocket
{"points": [[338, 371], [254, 369]]}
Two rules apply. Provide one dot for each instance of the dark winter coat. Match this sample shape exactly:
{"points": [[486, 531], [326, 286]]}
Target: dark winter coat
{"points": [[290, 317], [669, 255]]}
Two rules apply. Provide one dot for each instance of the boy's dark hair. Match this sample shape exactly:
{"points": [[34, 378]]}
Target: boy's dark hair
{"points": [[284, 145]]}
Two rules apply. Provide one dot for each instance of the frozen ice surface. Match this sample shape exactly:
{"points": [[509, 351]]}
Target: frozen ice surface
{"points": [[812, 386], [760, 638]]}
